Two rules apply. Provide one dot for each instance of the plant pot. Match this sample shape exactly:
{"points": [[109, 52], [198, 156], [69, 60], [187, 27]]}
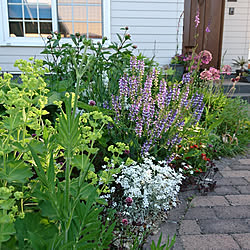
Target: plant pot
{"points": [[179, 69]]}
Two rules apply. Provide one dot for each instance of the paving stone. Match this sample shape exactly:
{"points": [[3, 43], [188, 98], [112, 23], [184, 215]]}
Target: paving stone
{"points": [[209, 201], [248, 179], [227, 169], [189, 227], [244, 189], [231, 182], [238, 173], [208, 242], [237, 200], [245, 161], [239, 167], [214, 226], [232, 212], [200, 213], [243, 240], [223, 190], [167, 229]]}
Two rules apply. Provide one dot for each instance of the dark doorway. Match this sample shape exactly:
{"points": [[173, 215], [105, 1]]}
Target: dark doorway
{"points": [[212, 16]]}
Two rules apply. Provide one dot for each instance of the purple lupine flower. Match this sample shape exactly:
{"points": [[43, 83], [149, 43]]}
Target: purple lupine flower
{"points": [[186, 78], [133, 62], [123, 86]]}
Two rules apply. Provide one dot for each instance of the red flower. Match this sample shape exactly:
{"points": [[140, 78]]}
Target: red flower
{"points": [[204, 157], [196, 146], [191, 146]]}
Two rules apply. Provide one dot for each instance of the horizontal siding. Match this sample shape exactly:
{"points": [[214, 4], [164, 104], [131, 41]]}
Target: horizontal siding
{"points": [[236, 36], [147, 14], [148, 38], [144, 6], [8, 56], [152, 25]]}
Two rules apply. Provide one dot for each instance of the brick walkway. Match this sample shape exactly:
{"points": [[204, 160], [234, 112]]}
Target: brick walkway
{"points": [[219, 220]]}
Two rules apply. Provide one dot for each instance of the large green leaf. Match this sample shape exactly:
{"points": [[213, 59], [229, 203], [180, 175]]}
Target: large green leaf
{"points": [[16, 171], [37, 229], [6, 227]]}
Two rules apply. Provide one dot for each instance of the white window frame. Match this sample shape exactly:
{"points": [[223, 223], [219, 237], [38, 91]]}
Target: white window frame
{"points": [[6, 40]]}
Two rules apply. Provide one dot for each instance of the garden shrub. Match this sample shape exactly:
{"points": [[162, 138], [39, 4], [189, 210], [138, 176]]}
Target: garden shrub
{"points": [[108, 63]]}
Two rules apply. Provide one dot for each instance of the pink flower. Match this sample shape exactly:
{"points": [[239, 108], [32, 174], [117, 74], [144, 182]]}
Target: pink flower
{"points": [[206, 75], [129, 201], [197, 18], [226, 69], [215, 73], [208, 29], [92, 103], [124, 221], [205, 56]]}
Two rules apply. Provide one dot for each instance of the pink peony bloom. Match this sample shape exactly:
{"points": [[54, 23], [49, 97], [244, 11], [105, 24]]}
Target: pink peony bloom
{"points": [[205, 56], [226, 69]]}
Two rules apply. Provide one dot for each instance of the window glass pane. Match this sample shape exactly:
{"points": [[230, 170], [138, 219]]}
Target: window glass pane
{"points": [[80, 1], [30, 12], [94, 1], [15, 11], [14, 1], [44, 2], [81, 28], [31, 29], [64, 1], [94, 13], [45, 12], [80, 13], [95, 30], [65, 29], [45, 28], [64, 12], [16, 29], [30, 1]]}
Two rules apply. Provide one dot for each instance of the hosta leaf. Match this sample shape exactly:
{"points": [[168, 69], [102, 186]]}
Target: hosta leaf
{"points": [[16, 171]]}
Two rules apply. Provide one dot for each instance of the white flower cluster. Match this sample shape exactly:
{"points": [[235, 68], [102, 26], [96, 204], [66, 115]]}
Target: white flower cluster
{"points": [[153, 187]]}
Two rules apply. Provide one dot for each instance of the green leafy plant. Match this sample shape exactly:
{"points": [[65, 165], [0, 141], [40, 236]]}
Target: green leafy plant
{"points": [[166, 246], [101, 77], [240, 62]]}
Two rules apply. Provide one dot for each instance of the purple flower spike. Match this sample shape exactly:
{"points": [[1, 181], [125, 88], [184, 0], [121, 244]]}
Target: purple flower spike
{"points": [[197, 18]]}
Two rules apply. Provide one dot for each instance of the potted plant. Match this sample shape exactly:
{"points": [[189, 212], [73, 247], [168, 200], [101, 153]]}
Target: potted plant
{"points": [[240, 62], [178, 64]]}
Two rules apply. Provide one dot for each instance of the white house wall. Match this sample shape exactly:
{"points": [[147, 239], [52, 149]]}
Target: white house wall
{"points": [[152, 25], [236, 36]]}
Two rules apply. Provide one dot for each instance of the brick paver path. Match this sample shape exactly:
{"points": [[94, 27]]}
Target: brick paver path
{"points": [[219, 220]]}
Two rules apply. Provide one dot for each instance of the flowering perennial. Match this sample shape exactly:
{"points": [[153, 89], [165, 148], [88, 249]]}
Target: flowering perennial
{"points": [[150, 188], [153, 108]]}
